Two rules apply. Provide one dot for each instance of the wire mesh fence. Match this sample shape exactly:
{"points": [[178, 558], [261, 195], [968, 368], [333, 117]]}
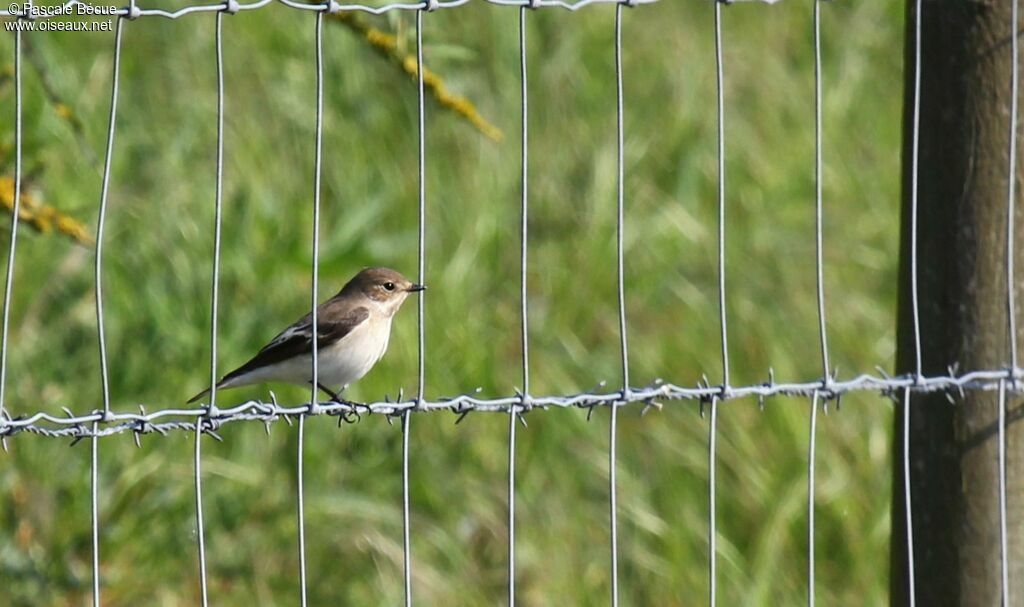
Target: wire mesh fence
{"points": [[208, 419]]}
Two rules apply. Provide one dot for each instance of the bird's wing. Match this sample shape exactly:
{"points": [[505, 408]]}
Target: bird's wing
{"points": [[297, 339]]}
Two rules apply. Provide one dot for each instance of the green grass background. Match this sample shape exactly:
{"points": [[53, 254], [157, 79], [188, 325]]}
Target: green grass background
{"points": [[158, 251]]}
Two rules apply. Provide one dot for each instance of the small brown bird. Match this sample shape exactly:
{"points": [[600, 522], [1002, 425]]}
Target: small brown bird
{"points": [[353, 329]]}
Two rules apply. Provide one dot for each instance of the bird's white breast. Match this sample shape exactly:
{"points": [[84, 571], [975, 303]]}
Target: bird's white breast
{"points": [[355, 354]]}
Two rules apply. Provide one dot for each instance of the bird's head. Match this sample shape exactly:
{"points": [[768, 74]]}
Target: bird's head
{"points": [[385, 287]]}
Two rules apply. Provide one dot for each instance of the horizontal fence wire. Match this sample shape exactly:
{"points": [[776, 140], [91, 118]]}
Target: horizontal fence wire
{"points": [[233, 6], [168, 420]]}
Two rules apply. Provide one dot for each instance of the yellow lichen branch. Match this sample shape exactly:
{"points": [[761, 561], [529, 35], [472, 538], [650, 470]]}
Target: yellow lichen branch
{"points": [[387, 46], [42, 217]]}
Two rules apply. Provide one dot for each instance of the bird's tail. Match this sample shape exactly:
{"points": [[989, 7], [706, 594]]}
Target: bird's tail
{"points": [[231, 380], [238, 377], [225, 382], [198, 396]]}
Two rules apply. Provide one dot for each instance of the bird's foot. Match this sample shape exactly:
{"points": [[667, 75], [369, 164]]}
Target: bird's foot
{"points": [[353, 413]]}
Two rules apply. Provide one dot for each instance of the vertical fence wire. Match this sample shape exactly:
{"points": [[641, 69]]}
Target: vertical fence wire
{"points": [[94, 513], [1003, 548], [720, 94], [720, 90], [712, 434], [906, 495], [406, 540], [915, 153], [818, 205], [317, 168], [218, 207], [422, 169], [101, 222], [620, 267], [1011, 194], [820, 278], [301, 507], [1011, 313], [810, 498], [512, 506], [101, 332], [9, 281], [197, 468], [314, 388], [421, 274], [214, 301], [523, 302], [406, 544]]}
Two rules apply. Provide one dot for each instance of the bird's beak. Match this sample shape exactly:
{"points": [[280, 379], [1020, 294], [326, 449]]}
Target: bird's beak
{"points": [[415, 288]]}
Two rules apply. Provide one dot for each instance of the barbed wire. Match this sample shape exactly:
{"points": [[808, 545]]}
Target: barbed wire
{"points": [[168, 420]]}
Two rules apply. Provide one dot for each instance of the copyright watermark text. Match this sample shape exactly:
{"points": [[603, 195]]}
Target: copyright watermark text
{"points": [[22, 25], [78, 9], [72, 17]]}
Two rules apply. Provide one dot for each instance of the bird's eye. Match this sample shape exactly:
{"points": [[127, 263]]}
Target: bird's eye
{"points": [[389, 286]]}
